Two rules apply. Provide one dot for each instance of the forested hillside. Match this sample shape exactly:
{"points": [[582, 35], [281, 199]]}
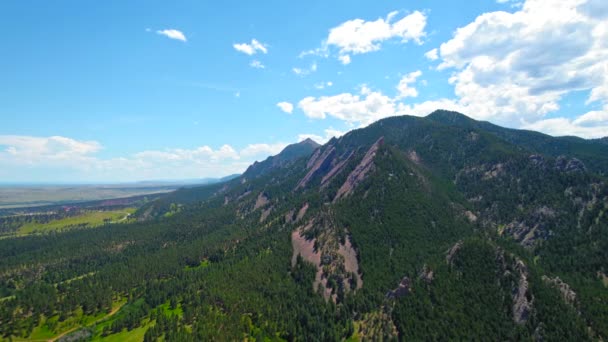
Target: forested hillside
{"points": [[434, 228]]}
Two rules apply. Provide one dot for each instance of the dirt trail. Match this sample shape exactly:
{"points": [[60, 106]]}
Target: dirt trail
{"points": [[112, 313]]}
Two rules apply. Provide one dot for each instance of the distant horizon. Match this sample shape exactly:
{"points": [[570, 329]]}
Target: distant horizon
{"points": [[102, 183], [116, 92]]}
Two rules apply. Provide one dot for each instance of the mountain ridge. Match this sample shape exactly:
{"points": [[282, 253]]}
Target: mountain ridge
{"points": [[410, 228]]}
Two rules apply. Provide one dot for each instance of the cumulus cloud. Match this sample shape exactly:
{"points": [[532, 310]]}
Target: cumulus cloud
{"points": [[361, 109], [252, 48], [358, 36], [344, 59], [286, 107], [432, 54], [26, 155], [329, 133], [404, 87], [516, 67], [55, 149], [510, 68], [564, 126], [594, 117], [172, 34], [305, 71], [257, 64]]}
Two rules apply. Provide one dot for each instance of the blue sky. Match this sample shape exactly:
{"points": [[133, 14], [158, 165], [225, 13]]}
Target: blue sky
{"points": [[115, 91]]}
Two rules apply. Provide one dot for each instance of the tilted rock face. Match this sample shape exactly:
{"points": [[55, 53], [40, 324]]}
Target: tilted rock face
{"points": [[336, 262], [302, 212], [261, 201], [534, 227], [289, 216], [452, 252], [360, 172], [318, 164], [335, 170], [426, 274], [537, 160], [522, 299], [404, 288], [564, 164], [567, 293], [265, 214], [313, 158]]}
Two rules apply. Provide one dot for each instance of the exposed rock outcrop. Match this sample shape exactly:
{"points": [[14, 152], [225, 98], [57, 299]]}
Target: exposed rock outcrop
{"points": [[567, 293], [319, 164], [289, 216], [320, 242], [413, 156], [452, 252], [534, 227], [537, 160], [404, 288], [470, 216], [351, 265], [302, 212], [336, 169], [261, 201], [360, 172], [313, 158], [522, 298], [563, 164], [426, 274], [265, 214], [495, 171]]}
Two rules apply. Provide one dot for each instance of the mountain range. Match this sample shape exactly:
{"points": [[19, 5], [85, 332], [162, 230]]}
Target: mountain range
{"points": [[413, 228]]}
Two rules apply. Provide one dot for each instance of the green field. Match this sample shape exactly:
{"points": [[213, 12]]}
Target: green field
{"points": [[90, 219], [34, 196], [135, 335], [44, 332]]}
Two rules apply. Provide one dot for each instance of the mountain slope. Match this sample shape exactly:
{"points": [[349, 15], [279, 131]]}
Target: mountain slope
{"points": [[593, 152], [412, 228], [174, 202], [289, 154]]}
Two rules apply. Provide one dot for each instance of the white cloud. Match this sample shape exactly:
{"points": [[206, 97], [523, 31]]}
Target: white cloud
{"points": [[323, 85], [22, 157], [55, 149], [564, 126], [344, 59], [432, 54], [256, 150], [516, 67], [173, 34], [360, 109], [363, 108], [594, 117], [510, 68], [329, 133], [359, 36], [251, 49], [404, 88], [256, 64], [286, 107], [305, 71]]}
